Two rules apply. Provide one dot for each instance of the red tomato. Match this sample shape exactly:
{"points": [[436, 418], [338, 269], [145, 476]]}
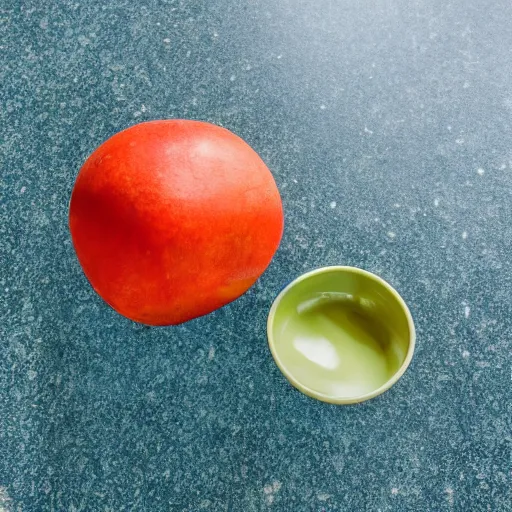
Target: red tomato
{"points": [[173, 219]]}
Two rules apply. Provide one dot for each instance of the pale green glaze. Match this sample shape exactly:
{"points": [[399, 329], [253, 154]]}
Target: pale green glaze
{"points": [[341, 334]]}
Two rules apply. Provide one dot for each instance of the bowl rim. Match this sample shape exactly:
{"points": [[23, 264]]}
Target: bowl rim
{"points": [[329, 398]]}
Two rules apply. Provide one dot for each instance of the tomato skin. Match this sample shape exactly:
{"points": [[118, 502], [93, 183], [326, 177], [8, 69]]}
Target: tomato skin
{"points": [[173, 219]]}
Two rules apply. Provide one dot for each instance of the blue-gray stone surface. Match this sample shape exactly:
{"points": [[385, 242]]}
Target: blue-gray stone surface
{"points": [[388, 127]]}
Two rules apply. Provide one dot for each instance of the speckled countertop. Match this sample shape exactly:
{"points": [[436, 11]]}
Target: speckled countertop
{"points": [[388, 127]]}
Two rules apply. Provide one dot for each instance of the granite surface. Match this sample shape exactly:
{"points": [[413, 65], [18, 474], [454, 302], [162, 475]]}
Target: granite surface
{"points": [[388, 127]]}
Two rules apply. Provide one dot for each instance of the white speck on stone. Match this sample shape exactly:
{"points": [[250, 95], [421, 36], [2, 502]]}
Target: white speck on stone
{"points": [[480, 171], [279, 57], [295, 181], [248, 67], [503, 167], [322, 107], [137, 114], [464, 235], [449, 495], [394, 490], [466, 85], [366, 130], [397, 205], [449, 128], [167, 40], [391, 234], [143, 108], [460, 140], [465, 354], [467, 311], [232, 78], [211, 353], [323, 496], [215, 33], [436, 202], [5, 500], [270, 490], [83, 40], [22, 190], [332, 204]]}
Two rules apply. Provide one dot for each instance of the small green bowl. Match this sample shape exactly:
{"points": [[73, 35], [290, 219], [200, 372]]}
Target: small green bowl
{"points": [[341, 334]]}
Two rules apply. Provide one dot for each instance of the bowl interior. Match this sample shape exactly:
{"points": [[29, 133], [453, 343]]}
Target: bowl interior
{"points": [[341, 334]]}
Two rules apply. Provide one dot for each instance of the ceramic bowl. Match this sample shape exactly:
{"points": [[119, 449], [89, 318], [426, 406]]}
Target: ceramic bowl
{"points": [[341, 334]]}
